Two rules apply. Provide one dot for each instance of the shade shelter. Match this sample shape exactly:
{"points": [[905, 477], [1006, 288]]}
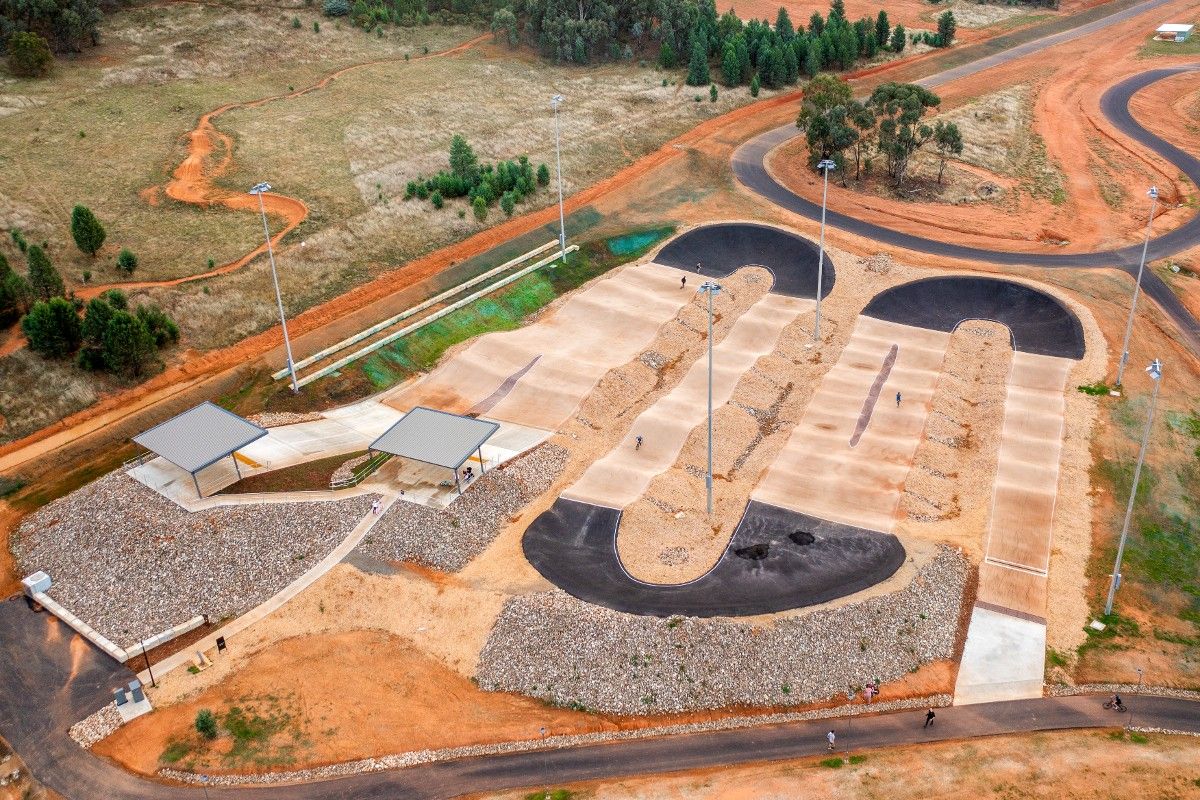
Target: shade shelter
{"points": [[1174, 32], [200, 437], [437, 437]]}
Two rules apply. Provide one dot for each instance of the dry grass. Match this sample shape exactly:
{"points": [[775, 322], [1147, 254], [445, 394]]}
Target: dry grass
{"points": [[995, 129], [974, 14], [107, 126], [35, 392]]}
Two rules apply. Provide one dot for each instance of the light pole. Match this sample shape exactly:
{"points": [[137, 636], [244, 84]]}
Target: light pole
{"points": [[1136, 694], [258, 189], [1137, 286], [204, 785], [555, 102], [1155, 371], [710, 288], [824, 165]]}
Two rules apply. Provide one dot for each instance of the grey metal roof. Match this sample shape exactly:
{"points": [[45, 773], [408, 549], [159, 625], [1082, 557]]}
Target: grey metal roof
{"points": [[200, 436], [435, 437]]}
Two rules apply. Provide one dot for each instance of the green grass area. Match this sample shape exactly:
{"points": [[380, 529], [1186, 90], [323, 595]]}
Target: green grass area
{"points": [[832, 763], [1095, 389], [638, 241], [175, 752], [556, 794], [306, 477], [1154, 48]]}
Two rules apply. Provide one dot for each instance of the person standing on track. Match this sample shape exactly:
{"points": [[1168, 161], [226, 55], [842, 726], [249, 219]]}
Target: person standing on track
{"points": [[683, 282], [897, 399], [831, 737], [637, 443], [929, 715]]}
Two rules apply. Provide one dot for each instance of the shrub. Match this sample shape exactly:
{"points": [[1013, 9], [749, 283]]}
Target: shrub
{"points": [[19, 240], [336, 8], [479, 205], [29, 55], [755, 85], [507, 203], [833, 763], [206, 724], [712, 93], [436, 199], [1094, 389], [296, 22], [127, 261], [543, 175], [316, 26], [162, 328]]}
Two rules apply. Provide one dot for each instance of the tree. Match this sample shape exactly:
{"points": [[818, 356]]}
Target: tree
{"points": [[731, 67], [336, 8], [206, 724], [899, 39], [883, 30], [43, 277], [698, 74], [667, 59], [128, 345], [162, 328], [463, 163], [837, 9], [95, 323], [437, 200], [783, 25], [29, 55], [812, 62], [947, 26], [543, 175], [504, 22], [127, 261], [899, 107], [87, 231], [479, 205], [791, 69], [820, 95], [712, 93], [507, 203], [14, 293], [863, 119], [816, 24], [52, 328], [755, 85], [828, 136], [117, 299], [947, 141], [743, 56]]}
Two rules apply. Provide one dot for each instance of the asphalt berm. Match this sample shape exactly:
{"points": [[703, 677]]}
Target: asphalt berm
{"points": [[769, 565]]}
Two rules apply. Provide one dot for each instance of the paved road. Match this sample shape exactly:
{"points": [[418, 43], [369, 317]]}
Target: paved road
{"points": [[749, 165], [51, 677]]}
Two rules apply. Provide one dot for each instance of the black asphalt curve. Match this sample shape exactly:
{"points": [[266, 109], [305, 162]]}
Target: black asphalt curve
{"points": [[50, 678], [776, 560], [1038, 322], [749, 166], [718, 250]]}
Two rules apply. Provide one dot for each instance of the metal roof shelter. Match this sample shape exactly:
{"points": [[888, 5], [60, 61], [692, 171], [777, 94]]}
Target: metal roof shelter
{"points": [[437, 437], [1174, 32], [200, 437]]}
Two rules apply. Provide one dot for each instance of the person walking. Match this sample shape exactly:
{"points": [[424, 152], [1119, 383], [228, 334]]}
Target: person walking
{"points": [[831, 737], [375, 506], [683, 282], [897, 399], [929, 715], [637, 443]]}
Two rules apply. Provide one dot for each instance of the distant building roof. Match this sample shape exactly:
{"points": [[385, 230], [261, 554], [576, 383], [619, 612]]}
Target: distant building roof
{"points": [[1173, 27], [435, 437], [200, 436]]}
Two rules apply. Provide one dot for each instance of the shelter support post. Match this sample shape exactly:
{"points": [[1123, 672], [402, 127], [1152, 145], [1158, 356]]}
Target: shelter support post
{"points": [[482, 467], [196, 483], [457, 482], [236, 468]]}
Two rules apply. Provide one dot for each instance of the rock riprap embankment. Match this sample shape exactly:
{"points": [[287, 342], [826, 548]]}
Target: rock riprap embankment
{"points": [[131, 563], [447, 539], [552, 646]]}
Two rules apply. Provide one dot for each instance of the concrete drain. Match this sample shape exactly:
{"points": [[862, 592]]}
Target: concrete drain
{"points": [[755, 552], [802, 538]]}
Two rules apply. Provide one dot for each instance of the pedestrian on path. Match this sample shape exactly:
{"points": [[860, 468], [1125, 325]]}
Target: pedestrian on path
{"points": [[683, 282], [375, 506], [929, 715], [869, 692], [832, 738], [897, 399], [637, 444]]}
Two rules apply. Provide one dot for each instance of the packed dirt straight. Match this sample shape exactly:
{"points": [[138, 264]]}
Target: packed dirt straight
{"points": [[94, 433]]}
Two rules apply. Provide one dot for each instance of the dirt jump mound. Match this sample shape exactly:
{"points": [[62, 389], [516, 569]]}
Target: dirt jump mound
{"points": [[715, 251], [765, 569], [1039, 323]]}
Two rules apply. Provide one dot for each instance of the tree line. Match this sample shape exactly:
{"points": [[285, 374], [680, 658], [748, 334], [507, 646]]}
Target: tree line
{"points": [[484, 185], [32, 30], [888, 124], [105, 334]]}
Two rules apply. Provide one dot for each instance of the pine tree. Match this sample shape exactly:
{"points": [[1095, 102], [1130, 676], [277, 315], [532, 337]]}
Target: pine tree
{"points": [[816, 24], [837, 9], [666, 56], [87, 231], [479, 205], [463, 163], [543, 175], [43, 277], [52, 328], [128, 345], [812, 63], [791, 68], [95, 323], [743, 56], [783, 25], [947, 26], [731, 67], [754, 85], [899, 39], [127, 261], [883, 30], [162, 328], [9, 310], [507, 203], [698, 74]]}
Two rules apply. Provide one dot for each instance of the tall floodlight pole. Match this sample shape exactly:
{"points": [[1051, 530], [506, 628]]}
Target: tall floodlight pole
{"points": [[555, 102], [710, 288], [1155, 372], [258, 189], [824, 165], [1137, 286]]}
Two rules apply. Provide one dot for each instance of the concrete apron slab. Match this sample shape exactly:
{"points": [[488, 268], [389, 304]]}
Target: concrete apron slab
{"points": [[1004, 659]]}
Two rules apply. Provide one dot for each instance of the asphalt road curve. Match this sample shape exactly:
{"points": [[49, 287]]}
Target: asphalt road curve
{"points": [[715, 251], [1037, 322], [749, 165], [776, 560]]}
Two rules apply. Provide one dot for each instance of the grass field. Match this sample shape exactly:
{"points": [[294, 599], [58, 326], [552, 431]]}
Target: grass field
{"points": [[1154, 48]]}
